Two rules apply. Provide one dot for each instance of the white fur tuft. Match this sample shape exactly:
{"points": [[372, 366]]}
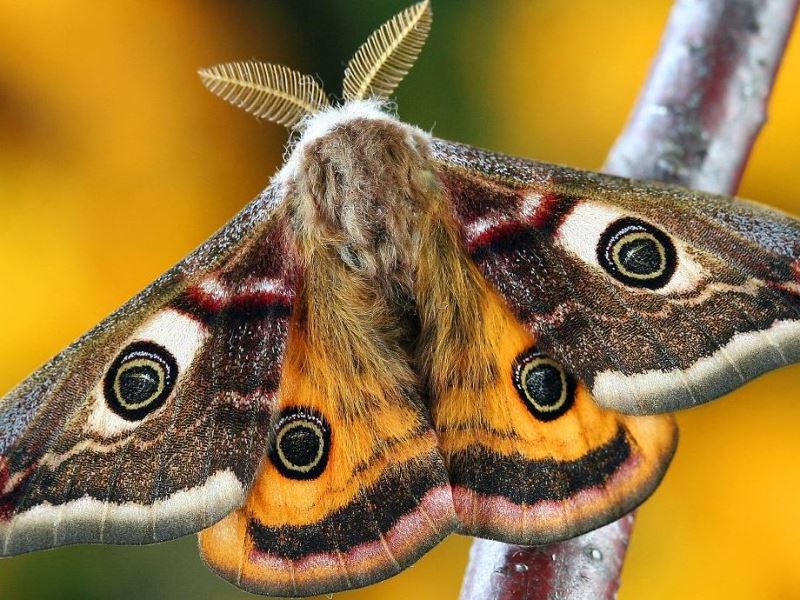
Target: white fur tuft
{"points": [[323, 122]]}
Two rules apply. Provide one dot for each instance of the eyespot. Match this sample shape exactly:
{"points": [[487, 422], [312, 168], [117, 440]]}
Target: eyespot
{"points": [[302, 444], [543, 384], [139, 380], [637, 253]]}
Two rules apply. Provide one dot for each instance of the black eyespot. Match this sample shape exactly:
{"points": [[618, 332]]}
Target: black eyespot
{"points": [[545, 387], [302, 444], [139, 380], [637, 253]]}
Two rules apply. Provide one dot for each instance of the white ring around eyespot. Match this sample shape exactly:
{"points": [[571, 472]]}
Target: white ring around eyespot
{"points": [[181, 335], [320, 448], [630, 237], [583, 227], [139, 362], [536, 362]]}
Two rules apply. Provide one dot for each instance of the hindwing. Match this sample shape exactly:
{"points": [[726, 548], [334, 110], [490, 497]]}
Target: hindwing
{"points": [[352, 488]]}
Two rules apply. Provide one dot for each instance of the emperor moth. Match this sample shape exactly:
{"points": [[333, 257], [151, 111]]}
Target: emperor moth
{"points": [[400, 333]]}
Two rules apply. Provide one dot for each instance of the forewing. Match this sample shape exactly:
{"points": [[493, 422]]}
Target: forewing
{"points": [[152, 424], [559, 245]]}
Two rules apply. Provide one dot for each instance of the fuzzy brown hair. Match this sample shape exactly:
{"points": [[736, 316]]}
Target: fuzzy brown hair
{"points": [[391, 304]]}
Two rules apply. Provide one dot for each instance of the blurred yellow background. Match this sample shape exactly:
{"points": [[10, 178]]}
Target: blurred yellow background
{"points": [[115, 162]]}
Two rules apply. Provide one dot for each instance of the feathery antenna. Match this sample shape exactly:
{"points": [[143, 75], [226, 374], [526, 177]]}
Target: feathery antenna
{"points": [[283, 95], [384, 59], [267, 91]]}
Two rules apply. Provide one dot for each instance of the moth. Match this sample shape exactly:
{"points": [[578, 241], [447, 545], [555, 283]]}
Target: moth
{"points": [[399, 339]]}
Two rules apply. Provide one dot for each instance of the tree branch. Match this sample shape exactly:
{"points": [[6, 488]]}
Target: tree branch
{"points": [[706, 99], [694, 124]]}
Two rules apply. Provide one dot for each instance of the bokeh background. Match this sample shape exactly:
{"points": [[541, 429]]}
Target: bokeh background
{"points": [[115, 162]]}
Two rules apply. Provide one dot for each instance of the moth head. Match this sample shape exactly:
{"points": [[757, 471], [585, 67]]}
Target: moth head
{"points": [[352, 140]]}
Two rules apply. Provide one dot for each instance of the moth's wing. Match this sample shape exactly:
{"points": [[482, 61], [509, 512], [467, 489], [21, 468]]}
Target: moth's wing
{"points": [[532, 459], [353, 488], [713, 302], [151, 425]]}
